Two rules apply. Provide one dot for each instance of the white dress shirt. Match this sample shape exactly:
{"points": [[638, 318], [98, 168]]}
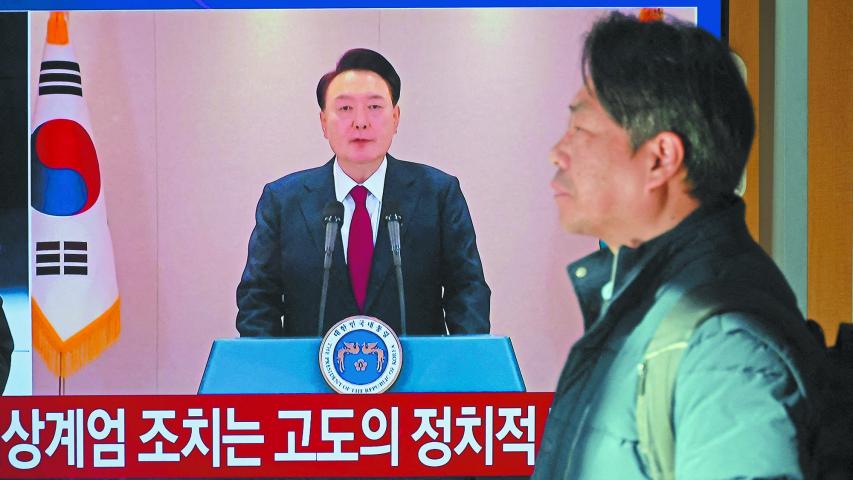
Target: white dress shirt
{"points": [[374, 185]]}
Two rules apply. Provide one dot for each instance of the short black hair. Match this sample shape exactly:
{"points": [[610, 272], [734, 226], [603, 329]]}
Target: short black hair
{"points": [[673, 76], [361, 59]]}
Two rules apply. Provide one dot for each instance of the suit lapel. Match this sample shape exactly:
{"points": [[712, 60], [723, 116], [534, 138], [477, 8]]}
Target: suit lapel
{"points": [[319, 190], [400, 189]]}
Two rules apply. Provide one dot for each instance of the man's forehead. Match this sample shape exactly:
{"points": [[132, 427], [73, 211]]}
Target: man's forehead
{"points": [[358, 83]]}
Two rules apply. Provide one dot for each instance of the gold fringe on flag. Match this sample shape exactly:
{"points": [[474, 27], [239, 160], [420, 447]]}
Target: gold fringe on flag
{"points": [[66, 358]]}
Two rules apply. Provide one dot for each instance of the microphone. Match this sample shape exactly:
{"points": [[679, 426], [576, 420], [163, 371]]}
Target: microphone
{"points": [[333, 216], [393, 219]]}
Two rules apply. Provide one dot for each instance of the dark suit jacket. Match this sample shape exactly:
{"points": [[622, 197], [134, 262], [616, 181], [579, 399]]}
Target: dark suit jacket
{"points": [[6, 348], [442, 273]]}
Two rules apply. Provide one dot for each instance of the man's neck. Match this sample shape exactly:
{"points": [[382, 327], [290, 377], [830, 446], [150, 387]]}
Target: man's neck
{"points": [[654, 224], [360, 172]]}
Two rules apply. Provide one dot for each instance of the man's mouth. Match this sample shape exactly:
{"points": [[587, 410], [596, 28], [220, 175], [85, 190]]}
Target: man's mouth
{"points": [[360, 141], [557, 191]]}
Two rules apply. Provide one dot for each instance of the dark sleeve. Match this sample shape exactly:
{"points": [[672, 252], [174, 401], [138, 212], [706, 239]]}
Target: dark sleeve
{"points": [[259, 295], [466, 295], [6, 348]]}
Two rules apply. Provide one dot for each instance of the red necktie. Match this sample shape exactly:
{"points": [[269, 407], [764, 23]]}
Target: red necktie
{"points": [[360, 246]]}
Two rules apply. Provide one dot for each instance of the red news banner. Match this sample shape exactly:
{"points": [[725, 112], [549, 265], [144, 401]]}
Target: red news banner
{"points": [[389, 435]]}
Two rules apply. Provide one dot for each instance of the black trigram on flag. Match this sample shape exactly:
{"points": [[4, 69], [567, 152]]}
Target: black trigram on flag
{"points": [[58, 76], [71, 259]]}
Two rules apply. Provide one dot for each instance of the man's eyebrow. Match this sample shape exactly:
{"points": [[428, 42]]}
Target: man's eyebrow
{"points": [[378, 99]]}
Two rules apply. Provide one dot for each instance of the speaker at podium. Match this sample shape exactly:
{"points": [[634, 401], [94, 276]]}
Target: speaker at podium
{"points": [[361, 354]]}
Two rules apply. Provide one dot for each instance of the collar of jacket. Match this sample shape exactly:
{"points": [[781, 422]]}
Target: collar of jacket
{"points": [[645, 266]]}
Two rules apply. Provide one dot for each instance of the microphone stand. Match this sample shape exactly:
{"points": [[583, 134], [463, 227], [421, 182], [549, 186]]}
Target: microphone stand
{"points": [[394, 232], [332, 219], [323, 293]]}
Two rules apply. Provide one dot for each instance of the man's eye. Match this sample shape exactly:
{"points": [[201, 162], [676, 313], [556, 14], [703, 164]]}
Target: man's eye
{"points": [[345, 108], [375, 107]]}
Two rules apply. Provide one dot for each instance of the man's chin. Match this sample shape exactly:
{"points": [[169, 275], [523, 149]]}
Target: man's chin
{"points": [[362, 158], [575, 226]]}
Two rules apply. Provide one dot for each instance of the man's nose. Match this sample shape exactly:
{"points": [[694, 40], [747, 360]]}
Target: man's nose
{"points": [[360, 122], [554, 156]]}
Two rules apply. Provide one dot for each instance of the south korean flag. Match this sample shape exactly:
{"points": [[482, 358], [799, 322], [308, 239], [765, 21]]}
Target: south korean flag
{"points": [[75, 298]]}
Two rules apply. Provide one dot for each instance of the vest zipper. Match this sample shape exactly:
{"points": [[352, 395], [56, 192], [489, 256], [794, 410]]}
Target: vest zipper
{"points": [[611, 284]]}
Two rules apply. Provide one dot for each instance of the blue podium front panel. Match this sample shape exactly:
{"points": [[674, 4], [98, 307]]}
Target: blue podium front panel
{"points": [[469, 363]]}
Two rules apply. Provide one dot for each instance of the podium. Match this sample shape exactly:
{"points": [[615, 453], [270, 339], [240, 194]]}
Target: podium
{"points": [[462, 363]]}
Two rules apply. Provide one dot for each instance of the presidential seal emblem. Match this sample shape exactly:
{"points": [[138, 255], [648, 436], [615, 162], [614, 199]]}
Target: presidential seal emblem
{"points": [[360, 354]]}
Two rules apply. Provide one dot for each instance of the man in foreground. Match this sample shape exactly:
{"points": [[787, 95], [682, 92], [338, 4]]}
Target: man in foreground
{"points": [[657, 141], [279, 293]]}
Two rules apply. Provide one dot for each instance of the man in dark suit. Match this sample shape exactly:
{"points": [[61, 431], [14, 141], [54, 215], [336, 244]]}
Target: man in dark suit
{"points": [[7, 345], [279, 292]]}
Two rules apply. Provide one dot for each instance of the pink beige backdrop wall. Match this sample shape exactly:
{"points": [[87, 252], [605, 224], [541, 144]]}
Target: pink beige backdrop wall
{"points": [[193, 112]]}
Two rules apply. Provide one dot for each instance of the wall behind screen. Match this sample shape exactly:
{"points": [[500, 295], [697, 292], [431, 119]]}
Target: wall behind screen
{"points": [[193, 112]]}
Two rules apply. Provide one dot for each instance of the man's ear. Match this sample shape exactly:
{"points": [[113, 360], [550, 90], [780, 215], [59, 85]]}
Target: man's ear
{"points": [[323, 123], [396, 115], [665, 158]]}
